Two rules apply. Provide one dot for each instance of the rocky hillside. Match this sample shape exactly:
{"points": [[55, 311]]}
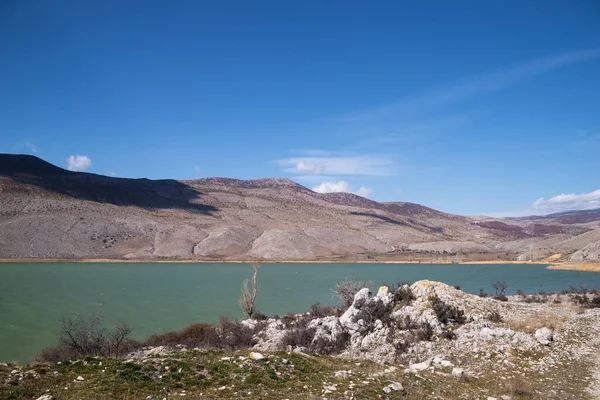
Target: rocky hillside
{"points": [[49, 212]]}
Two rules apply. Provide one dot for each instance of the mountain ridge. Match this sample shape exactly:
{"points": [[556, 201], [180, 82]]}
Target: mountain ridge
{"points": [[50, 212]]}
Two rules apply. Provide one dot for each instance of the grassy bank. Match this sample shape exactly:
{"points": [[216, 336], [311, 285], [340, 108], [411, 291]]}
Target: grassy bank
{"points": [[217, 374]]}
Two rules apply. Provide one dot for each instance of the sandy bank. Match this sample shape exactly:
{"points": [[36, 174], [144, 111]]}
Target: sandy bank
{"points": [[569, 266]]}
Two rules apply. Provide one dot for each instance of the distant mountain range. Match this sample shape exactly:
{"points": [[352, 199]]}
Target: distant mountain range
{"points": [[49, 212]]}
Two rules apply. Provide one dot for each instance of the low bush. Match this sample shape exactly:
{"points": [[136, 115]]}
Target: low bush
{"points": [[423, 332], [447, 313], [448, 334], [586, 302], [299, 337], [535, 298], [288, 320], [500, 297], [235, 335], [494, 316], [500, 288], [319, 311], [325, 345], [403, 295], [372, 311], [193, 336], [257, 315], [82, 337]]}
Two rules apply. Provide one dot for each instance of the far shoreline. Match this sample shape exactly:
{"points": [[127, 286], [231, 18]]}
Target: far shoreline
{"points": [[564, 266]]}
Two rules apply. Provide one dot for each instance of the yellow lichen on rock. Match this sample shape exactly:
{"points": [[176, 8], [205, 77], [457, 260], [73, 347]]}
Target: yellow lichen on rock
{"points": [[383, 290]]}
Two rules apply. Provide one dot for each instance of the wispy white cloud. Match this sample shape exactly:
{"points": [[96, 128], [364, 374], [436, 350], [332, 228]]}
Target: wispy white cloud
{"points": [[331, 187], [351, 165], [475, 86], [32, 147], [565, 202], [112, 173], [78, 163], [341, 186]]}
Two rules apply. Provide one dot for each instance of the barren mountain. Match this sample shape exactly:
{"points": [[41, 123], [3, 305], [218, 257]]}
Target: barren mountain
{"points": [[49, 212]]}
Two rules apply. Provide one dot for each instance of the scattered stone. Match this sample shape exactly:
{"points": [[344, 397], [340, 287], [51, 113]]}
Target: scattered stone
{"points": [[458, 372], [422, 366], [544, 336], [256, 356], [80, 378], [46, 397]]}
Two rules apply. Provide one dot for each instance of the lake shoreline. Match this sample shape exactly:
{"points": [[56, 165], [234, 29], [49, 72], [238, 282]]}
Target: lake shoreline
{"points": [[563, 266]]}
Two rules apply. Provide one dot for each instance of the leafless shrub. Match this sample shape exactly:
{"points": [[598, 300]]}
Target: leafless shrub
{"points": [[236, 335], [327, 345], [248, 296], [414, 332], [403, 294], [500, 288], [257, 315], [447, 313], [482, 293], [319, 311], [586, 302], [195, 335], [534, 298], [82, 337], [448, 334], [372, 311], [494, 316], [301, 336], [423, 332], [346, 289], [288, 319], [57, 353], [405, 324]]}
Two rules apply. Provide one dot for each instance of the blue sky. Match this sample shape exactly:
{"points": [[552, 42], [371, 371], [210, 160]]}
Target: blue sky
{"points": [[469, 107]]}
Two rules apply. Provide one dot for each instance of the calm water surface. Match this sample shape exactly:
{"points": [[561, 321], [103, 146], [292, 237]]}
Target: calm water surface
{"points": [[156, 297]]}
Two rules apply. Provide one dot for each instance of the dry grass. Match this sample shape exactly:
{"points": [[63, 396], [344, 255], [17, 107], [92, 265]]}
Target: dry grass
{"points": [[531, 323]]}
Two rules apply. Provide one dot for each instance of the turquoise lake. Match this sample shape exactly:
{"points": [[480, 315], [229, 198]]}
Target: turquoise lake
{"points": [[157, 297]]}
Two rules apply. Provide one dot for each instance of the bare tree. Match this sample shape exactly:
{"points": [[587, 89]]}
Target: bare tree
{"points": [[346, 289], [248, 296]]}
